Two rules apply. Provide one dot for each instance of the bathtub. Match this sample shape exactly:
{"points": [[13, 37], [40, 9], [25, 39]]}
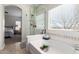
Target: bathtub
{"points": [[54, 46]]}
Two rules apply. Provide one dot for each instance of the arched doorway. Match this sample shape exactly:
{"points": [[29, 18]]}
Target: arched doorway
{"points": [[13, 26], [25, 22]]}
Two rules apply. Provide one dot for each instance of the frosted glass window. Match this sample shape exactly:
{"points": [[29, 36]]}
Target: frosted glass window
{"points": [[40, 21], [63, 17]]}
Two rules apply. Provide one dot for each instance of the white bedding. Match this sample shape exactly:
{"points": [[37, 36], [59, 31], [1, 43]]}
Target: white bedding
{"points": [[9, 32]]}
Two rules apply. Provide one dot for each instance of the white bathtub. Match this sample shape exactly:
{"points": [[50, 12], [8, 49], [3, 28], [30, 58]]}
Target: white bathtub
{"points": [[55, 46]]}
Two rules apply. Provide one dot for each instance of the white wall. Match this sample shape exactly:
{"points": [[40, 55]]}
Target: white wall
{"points": [[25, 23], [1, 27]]}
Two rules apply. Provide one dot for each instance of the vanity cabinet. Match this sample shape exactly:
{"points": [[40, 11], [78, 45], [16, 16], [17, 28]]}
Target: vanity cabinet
{"points": [[33, 50]]}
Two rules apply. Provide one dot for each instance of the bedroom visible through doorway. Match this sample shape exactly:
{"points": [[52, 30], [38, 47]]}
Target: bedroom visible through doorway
{"points": [[13, 25]]}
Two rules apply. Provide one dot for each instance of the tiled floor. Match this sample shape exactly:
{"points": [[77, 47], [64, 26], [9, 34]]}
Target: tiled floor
{"points": [[13, 46]]}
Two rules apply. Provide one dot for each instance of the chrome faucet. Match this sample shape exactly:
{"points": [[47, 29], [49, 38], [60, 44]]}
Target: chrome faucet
{"points": [[44, 31]]}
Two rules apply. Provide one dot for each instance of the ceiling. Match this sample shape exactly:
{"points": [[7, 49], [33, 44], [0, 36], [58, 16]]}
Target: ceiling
{"points": [[16, 11], [13, 11], [36, 5]]}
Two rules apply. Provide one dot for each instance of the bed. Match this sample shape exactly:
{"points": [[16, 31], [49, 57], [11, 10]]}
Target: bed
{"points": [[9, 31]]}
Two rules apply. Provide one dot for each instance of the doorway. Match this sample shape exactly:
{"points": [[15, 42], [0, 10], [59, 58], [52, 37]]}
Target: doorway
{"points": [[13, 26]]}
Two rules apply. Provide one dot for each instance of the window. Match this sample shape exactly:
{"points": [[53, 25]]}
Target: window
{"points": [[18, 25], [40, 21], [63, 17]]}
